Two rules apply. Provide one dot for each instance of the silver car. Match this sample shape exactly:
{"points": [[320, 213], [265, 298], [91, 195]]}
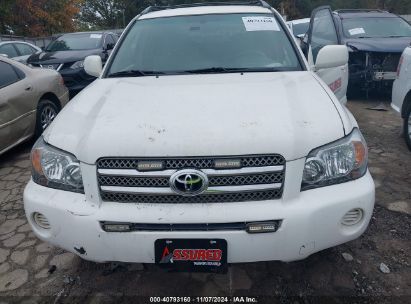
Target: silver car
{"points": [[18, 50], [29, 101]]}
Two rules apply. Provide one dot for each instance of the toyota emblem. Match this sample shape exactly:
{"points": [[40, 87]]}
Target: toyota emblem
{"points": [[189, 182]]}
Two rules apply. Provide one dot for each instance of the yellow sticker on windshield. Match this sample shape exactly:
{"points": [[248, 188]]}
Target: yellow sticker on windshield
{"points": [[260, 23]]}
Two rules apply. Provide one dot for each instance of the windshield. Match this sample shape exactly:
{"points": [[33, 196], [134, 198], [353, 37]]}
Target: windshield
{"points": [[300, 28], [207, 43], [76, 42], [373, 27]]}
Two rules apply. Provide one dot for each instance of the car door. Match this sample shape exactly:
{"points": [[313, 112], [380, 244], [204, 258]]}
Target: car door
{"points": [[109, 44], [323, 32], [16, 106]]}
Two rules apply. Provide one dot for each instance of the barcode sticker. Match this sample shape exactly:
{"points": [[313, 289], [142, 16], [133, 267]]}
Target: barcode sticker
{"points": [[356, 31], [258, 23]]}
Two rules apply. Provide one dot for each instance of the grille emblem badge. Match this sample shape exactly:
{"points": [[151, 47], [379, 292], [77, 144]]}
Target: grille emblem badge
{"points": [[189, 182]]}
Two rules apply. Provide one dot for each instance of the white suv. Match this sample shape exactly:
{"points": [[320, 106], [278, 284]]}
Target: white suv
{"points": [[401, 93], [206, 140]]}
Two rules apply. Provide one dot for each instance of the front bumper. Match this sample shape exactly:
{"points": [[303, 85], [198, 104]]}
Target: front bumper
{"points": [[311, 221]]}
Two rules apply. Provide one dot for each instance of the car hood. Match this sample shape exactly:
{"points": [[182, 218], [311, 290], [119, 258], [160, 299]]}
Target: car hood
{"points": [[198, 115], [389, 45], [60, 56]]}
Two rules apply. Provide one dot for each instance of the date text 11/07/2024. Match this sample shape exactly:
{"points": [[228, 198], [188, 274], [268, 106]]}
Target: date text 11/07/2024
{"points": [[234, 299]]}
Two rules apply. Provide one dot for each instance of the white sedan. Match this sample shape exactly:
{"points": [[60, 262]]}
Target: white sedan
{"points": [[18, 50], [401, 93]]}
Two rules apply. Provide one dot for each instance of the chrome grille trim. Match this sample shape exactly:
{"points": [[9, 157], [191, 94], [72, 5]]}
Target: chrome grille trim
{"points": [[209, 172], [213, 180], [125, 183], [210, 190], [134, 172]]}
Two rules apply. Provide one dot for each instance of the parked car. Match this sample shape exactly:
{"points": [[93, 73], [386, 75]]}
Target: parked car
{"points": [[299, 27], [206, 139], [401, 93], [375, 40], [18, 50], [66, 55], [323, 32], [29, 100]]}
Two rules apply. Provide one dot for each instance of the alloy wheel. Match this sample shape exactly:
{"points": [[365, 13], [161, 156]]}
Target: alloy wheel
{"points": [[47, 116]]}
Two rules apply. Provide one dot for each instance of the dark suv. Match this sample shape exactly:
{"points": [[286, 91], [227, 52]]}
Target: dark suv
{"points": [[375, 41], [66, 55]]}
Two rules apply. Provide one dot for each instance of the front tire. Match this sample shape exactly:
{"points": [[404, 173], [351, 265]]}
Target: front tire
{"points": [[407, 127], [46, 112]]}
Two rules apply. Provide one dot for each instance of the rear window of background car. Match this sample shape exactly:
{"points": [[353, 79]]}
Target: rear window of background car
{"points": [[9, 50], [7, 74], [24, 49]]}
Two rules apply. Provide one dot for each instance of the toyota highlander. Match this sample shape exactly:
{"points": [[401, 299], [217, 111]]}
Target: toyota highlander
{"points": [[207, 139]]}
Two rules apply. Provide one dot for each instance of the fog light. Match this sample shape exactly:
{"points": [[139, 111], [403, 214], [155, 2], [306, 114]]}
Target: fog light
{"points": [[41, 220], [262, 227], [352, 217], [116, 227]]}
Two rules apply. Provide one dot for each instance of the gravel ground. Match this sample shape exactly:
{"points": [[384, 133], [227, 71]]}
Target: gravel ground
{"points": [[374, 268]]}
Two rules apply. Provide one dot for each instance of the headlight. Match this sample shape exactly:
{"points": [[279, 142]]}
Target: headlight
{"points": [[341, 161], [55, 168], [77, 65]]}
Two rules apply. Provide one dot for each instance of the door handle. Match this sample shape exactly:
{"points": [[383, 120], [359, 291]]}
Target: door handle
{"points": [[29, 88]]}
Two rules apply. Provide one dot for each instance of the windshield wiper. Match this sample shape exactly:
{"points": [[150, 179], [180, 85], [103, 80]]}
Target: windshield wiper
{"points": [[134, 73], [229, 70], [209, 70]]}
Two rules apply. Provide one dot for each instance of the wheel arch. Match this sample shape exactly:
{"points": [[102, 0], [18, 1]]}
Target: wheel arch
{"points": [[53, 98]]}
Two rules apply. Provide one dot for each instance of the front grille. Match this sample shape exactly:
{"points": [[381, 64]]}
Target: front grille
{"points": [[252, 179], [133, 181], [190, 227], [260, 177], [202, 198], [195, 162]]}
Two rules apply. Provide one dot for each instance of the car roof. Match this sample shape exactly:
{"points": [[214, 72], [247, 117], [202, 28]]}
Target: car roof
{"points": [[17, 41], [205, 10], [299, 21], [82, 33], [348, 14]]}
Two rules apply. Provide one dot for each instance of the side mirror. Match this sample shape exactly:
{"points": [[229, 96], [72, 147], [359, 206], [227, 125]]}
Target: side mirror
{"points": [[93, 65], [4, 55], [331, 56]]}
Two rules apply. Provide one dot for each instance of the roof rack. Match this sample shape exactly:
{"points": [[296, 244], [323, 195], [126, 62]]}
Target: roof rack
{"points": [[228, 3], [345, 11]]}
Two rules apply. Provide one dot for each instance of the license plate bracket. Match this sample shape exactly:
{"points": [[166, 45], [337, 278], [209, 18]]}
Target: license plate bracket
{"points": [[194, 255]]}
